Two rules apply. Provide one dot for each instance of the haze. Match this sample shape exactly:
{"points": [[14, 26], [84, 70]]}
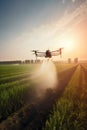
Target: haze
{"points": [[42, 24]]}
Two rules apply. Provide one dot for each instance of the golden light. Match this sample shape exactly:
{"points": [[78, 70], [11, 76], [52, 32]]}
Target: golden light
{"points": [[68, 43]]}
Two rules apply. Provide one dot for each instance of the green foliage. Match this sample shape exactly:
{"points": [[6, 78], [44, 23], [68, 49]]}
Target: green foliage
{"points": [[70, 111], [15, 86]]}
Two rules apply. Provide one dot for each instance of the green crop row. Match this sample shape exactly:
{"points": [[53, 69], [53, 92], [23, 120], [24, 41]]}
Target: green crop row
{"points": [[14, 98], [15, 89], [7, 70], [70, 111], [14, 78], [7, 86], [13, 74]]}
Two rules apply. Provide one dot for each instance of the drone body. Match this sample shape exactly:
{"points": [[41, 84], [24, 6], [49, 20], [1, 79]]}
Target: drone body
{"points": [[47, 53]]}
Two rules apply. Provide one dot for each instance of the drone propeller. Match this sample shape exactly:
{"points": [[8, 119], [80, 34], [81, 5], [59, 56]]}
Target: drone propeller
{"points": [[34, 50], [61, 51], [35, 53]]}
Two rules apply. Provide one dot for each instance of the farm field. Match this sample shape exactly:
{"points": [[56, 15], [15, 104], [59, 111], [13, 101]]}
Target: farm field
{"points": [[70, 111], [63, 107]]}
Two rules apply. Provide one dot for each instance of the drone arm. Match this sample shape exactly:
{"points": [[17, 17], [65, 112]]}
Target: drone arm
{"points": [[57, 52], [41, 55]]}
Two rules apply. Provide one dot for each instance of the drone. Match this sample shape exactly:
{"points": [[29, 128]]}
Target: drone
{"points": [[47, 53]]}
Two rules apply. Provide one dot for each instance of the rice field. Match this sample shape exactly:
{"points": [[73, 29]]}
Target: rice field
{"points": [[61, 108]]}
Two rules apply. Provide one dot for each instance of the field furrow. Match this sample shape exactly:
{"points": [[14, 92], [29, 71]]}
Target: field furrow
{"points": [[11, 74], [70, 110], [14, 78], [34, 115], [11, 70], [7, 86]]}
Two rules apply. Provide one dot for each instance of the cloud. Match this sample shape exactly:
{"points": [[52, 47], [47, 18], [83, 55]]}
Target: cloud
{"points": [[73, 1], [47, 33]]}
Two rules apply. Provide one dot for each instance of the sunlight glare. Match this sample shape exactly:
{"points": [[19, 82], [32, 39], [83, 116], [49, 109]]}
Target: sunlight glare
{"points": [[68, 43]]}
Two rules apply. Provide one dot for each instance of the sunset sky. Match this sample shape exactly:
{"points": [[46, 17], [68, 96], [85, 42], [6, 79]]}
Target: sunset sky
{"points": [[42, 24]]}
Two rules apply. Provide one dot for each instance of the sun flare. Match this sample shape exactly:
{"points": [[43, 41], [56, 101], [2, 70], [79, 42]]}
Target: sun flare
{"points": [[68, 43]]}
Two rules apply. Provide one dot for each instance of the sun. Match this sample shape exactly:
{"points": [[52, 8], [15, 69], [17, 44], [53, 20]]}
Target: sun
{"points": [[68, 43]]}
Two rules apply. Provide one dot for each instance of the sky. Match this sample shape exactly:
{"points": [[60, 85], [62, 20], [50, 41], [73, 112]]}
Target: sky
{"points": [[42, 24]]}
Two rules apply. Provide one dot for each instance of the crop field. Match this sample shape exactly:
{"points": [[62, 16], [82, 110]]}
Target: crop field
{"points": [[43, 97]]}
